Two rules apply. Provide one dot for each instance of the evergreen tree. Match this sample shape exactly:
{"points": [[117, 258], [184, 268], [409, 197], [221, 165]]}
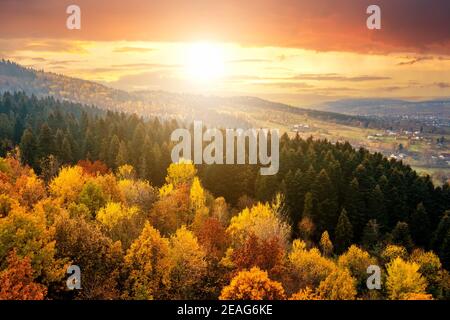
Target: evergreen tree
{"points": [[66, 151], [28, 148], [401, 236], [59, 137], [113, 151], [445, 251], [142, 167], [344, 232], [376, 207], [137, 143], [122, 155], [356, 207], [46, 143], [308, 207], [420, 226], [325, 194], [371, 235], [294, 194], [441, 232]]}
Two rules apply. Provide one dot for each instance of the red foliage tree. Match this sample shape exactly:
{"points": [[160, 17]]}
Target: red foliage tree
{"points": [[266, 254]]}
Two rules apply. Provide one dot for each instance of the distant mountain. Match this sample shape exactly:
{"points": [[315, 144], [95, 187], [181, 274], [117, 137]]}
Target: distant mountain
{"points": [[389, 107], [214, 110]]}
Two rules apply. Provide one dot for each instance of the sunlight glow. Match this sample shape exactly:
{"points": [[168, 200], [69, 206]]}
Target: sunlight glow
{"points": [[204, 61]]}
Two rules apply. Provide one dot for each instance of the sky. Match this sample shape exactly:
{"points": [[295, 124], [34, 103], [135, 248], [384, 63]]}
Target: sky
{"points": [[294, 51]]}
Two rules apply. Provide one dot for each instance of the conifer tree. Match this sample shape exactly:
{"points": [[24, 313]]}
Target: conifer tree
{"points": [[66, 151], [344, 232], [441, 232], [308, 207], [445, 251], [356, 207], [28, 148], [371, 235], [420, 226], [401, 236], [122, 155], [113, 152], [46, 142]]}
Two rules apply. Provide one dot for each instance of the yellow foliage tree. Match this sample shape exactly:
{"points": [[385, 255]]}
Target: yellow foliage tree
{"points": [[182, 172], [188, 264], [197, 195], [29, 235], [357, 261], [114, 213], [148, 266], [253, 285], [308, 267], [120, 222], [393, 251], [68, 184], [325, 244], [430, 268], [125, 171], [165, 190], [404, 278], [339, 285], [108, 183], [262, 220]]}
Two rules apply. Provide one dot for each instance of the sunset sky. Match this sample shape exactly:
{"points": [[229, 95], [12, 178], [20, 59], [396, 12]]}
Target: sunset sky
{"points": [[294, 51]]}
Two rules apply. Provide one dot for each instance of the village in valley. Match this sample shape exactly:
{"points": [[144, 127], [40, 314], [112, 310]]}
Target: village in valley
{"points": [[426, 152]]}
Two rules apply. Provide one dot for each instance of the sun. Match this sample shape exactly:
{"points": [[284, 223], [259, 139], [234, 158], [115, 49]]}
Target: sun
{"points": [[204, 61]]}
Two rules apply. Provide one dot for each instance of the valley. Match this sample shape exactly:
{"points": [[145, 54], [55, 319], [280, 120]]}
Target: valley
{"points": [[418, 133]]}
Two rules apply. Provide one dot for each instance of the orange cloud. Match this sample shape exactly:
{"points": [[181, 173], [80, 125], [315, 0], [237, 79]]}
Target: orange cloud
{"points": [[419, 26]]}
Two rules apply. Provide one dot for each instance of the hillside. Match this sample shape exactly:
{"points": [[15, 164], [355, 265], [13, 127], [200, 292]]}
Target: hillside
{"points": [[438, 109], [214, 110]]}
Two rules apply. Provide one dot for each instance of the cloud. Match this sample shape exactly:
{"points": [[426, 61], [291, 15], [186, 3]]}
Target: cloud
{"points": [[144, 69], [249, 61], [146, 65], [13, 46], [133, 49], [62, 62], [419, 26], [311, 77], [414, 60], [54, 46], [442, 85], [391, 88], [287, 85], [337, 77]]}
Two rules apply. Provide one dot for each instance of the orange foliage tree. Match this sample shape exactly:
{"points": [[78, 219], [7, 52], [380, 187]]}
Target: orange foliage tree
{"points": [[17, 281], [253, 285], [93, 168]]}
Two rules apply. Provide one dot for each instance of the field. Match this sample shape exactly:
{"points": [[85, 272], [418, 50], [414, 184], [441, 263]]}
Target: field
{"points": [[421, 150]]}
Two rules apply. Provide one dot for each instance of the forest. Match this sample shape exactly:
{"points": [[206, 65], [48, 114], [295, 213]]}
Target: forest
{"points": [[85, 186]]}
